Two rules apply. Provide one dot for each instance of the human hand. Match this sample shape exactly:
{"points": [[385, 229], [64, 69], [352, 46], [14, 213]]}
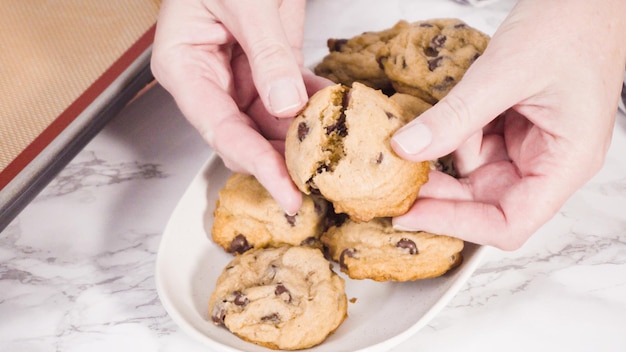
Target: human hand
{"points": [[233, 67], [529, 123]]}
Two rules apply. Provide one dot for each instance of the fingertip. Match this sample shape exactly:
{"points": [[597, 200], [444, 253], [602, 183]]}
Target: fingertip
{"points": [[286, 97], [290, 201], [411, 140], [286, 194], [403, 223]]}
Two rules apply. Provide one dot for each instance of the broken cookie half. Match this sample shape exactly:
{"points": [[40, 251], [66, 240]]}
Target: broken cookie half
{"points": [[338, 146]]}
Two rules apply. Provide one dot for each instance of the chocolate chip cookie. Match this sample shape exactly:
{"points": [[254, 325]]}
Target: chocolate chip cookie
{"points": [[354, 59], [282, 298], [374, 250], [338, 146], [246, 216], [429, 58], [411, 106]]}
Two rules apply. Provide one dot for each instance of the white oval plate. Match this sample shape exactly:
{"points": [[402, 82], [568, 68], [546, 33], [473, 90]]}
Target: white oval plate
{"points": [[188, 264]]}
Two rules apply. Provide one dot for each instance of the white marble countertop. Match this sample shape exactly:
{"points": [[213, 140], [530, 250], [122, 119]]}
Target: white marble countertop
{"points": [[77, 265]]}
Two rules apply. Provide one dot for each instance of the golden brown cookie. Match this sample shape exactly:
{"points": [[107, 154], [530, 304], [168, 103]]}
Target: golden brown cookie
{"points": [[282, 298], [339, 146], [354, 59], [429, 58], [246, 216], [374, 250], [412, 106]]}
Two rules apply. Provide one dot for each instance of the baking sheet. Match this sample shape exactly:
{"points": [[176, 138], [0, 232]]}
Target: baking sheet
{"points": [[67, 68]]}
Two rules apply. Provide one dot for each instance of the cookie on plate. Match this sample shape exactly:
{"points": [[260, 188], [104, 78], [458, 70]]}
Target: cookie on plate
{"points": [[282, 298], [246, 216], [339, 146], [354, 59], [411, 106], [375, 250], [429, 58]]}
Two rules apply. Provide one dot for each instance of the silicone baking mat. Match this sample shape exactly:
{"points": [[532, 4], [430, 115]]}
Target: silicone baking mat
{"points": [[57, 58]]}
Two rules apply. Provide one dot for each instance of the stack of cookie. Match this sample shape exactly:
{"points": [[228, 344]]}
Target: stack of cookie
{"points": [[279, 285], [338, 154], [424, 59]]}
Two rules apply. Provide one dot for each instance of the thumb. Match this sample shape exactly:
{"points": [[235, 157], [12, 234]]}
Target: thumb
{"points": [[259, 29], [481, 95]]}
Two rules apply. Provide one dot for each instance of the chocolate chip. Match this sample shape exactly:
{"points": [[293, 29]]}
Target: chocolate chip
{"points": [[291, 219], [338, 127], [342, 257], [281, 291], [390, 115], [310, 183], [271, 318], [430, 51], [219, 313], [336, 44], [460, 25], [439, 40], [322, 168], [303, 130], [380, 158], [445, 84], [434, 63], [406, 243], [426, 25], [240, 299], [239, 244], [318, 208]]}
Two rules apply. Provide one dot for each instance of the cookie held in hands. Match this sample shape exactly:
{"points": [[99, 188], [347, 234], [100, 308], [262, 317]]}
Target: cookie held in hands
{"points": [[338, 146], [282, 298], [375, 250], [246, 216]]}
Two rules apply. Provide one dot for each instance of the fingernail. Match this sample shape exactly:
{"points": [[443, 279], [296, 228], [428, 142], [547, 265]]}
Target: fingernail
{"points": [[413, 138], [398, 227], [283, 96]]}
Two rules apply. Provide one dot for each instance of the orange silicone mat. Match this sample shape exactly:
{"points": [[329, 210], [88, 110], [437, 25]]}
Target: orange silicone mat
{"points": [[51, 54]]}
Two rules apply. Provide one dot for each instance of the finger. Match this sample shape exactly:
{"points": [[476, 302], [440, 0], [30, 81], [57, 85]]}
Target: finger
{"points": [[258, 28], [443, 186], [235, 138], [270, 126], [506, 224], [488, 88], [182, 24], [477, 151], [253, 154]]}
